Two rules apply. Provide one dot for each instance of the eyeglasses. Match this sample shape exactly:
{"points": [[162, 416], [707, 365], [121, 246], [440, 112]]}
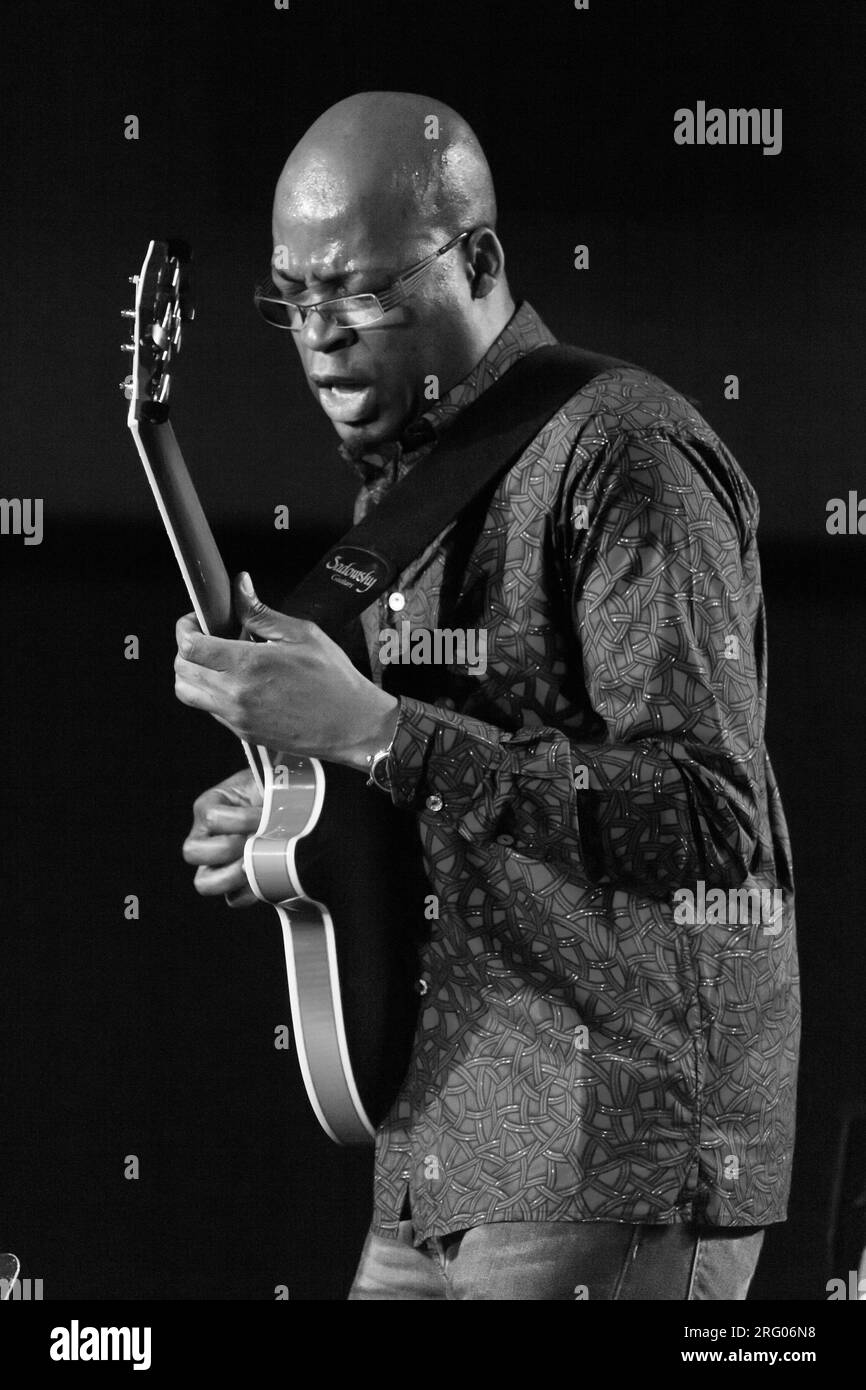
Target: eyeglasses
{"points": [[351, 310]]}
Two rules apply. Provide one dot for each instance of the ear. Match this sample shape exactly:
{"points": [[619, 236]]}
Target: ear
{"points": [[486, 258]]}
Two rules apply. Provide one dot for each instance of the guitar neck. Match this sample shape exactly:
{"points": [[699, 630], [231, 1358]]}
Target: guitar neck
{"points": [[162, 305], [195, 549], [192, 540]]}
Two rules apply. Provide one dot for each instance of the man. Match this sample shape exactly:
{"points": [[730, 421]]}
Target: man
{"points": [[600, 1100]]}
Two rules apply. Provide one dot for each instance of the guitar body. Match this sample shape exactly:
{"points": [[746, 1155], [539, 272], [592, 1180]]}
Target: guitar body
{"points": [[338, 866], [337, 861]]}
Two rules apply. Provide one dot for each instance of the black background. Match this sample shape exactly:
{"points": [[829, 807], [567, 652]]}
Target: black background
{"points": [[155, 1037]]}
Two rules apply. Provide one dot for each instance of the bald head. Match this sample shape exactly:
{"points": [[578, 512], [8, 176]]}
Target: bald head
{"points": [[380, 183], [398, 159]]}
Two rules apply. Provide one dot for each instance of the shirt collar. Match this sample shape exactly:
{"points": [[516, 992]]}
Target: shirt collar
{"points": [[524, 332]]}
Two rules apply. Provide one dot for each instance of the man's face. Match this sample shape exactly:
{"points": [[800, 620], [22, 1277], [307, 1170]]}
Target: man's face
{"points": [[372, 382]]}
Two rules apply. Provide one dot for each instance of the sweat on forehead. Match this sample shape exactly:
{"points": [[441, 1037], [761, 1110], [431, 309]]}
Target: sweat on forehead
{"points": [[387, 159]]}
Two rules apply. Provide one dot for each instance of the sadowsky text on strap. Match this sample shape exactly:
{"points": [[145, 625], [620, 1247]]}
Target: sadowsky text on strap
{"points": [[484, 441]]}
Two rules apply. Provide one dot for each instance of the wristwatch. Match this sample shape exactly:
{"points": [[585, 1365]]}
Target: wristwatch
{"points": [[376, 760]]}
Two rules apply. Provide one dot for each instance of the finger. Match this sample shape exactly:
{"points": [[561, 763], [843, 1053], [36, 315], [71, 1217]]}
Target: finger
{"points": [[215, 882], [195, 674], [243, 897], [226, 826], [265, 622], [218, 799], [194, 694], [233, 820], [203, 650], [188, 624], [213, 850]]}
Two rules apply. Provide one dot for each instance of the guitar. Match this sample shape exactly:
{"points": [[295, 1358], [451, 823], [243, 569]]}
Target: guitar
{"points": [[336, 861]]}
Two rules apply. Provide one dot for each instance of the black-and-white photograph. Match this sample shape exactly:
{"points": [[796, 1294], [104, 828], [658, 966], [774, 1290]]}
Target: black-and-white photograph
{"points": [[433, 530]]}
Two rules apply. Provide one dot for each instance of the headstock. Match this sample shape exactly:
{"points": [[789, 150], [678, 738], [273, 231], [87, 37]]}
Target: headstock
{"points": [[163, 302]]}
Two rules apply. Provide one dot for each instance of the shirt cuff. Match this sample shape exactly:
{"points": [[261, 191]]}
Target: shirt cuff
{"points": [[463, 770]]}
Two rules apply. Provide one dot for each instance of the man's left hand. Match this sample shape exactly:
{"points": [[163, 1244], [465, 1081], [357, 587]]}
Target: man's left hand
{"points": [[295, 690]]}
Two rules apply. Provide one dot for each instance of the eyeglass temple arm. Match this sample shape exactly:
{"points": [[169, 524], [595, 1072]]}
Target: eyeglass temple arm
{"points": [[405, 283]]}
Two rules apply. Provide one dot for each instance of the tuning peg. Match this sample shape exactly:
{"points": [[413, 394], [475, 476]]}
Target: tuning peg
{"points": [[133, 279], [127, 313], [126, 387], [127, 347]]}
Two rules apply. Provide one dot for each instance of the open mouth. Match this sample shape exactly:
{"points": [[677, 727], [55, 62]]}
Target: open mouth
{"points": [[345, 400]]}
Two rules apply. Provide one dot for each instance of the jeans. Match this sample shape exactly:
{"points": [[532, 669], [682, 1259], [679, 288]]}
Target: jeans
{"points": [[561, 1261]]}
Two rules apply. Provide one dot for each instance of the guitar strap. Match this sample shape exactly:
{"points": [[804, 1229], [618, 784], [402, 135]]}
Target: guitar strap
{"points": [[485, 440]]}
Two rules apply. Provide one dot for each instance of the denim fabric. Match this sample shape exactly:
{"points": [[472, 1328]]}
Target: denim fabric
{"points": [[561, 1261]]}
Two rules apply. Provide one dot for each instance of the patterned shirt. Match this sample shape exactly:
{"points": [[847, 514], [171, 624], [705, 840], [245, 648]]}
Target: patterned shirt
{"points": [[609, 1019]]}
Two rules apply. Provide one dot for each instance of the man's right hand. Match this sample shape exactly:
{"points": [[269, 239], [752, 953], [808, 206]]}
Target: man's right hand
{"points": [[223, 818]]}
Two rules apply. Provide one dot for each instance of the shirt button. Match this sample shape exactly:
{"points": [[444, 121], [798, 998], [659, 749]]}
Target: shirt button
{"points": [[505, 839], [396, 601], [434, 802]]}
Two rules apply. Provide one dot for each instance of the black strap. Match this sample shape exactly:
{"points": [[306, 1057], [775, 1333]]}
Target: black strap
{"points": [[483, 442]]}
